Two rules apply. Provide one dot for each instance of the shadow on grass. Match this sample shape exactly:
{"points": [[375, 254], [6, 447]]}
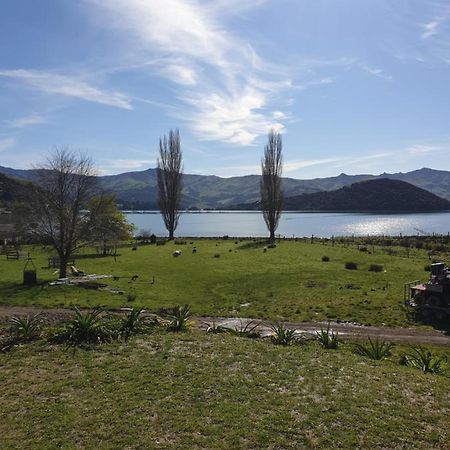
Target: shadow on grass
{"points": [[10, 291], [94, 256], [253, 244], [442, 324]]}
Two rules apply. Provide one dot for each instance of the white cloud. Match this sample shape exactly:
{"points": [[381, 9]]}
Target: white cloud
{"points": [[301, 164], [22, 122], [327, 80], [6, 144], [56, 84], [376, 72], [430, 29], [235, 119], [180, 74], [230, 171], [421, 149], [227, 88], [121, 165]]}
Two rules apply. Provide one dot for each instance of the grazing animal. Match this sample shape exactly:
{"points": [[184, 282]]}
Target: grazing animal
{"points": [[134, 277], [176, 253], [194, 250]]}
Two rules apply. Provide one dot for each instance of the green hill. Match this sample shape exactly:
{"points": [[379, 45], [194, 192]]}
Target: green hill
{"points": [[138, 190], [373, 195], [12, 190]]}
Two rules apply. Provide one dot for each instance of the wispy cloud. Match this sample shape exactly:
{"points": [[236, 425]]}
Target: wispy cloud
{"points": [[230, 171], [421, 149], [376, 72], [56, 84], [121, 165], [431, 28], [6, 144], [26, 121], [227, 91], [291, 166]]}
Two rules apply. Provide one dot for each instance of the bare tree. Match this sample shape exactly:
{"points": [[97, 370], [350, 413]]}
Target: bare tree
{"points": [[170, 173], [65, 185], [270, 187]]}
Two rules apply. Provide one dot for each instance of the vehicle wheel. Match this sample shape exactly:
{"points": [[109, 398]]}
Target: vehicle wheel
{"points": [[433, 300], [424, 313]]}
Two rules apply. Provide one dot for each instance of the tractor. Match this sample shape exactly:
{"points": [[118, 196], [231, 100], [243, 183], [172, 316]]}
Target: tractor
{"points": [[430, 300]]}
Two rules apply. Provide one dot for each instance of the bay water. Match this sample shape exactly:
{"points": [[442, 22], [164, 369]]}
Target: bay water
{"points": [[294, 224]]}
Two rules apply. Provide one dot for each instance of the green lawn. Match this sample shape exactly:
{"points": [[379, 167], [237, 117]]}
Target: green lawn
{"points": [[289, 282], [193, 390]]}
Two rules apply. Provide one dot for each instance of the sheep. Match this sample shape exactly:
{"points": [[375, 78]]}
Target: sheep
{"points": [[176, 253]]}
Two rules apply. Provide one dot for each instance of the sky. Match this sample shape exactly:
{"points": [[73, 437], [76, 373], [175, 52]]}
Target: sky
{"points": [[353, 86]]}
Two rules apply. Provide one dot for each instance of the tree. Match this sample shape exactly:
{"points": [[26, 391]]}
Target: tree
{"points": [[170, 173], [107, 223], [270, 186], [65, 185]]}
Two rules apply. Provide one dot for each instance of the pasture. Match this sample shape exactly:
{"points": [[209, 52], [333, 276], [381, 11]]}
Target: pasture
{"points": [[235, 278]]}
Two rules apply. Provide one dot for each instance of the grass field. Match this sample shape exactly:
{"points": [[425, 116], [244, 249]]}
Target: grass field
{"points": [[288, 282], [193, 390]]}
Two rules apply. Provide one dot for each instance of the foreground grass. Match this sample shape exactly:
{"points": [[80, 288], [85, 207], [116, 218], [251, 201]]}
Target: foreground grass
{"points": [[289, 282], [193, 390]]}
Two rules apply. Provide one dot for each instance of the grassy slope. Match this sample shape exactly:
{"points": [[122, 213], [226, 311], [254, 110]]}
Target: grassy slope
{"points": [[289, 282], [199, 391]]}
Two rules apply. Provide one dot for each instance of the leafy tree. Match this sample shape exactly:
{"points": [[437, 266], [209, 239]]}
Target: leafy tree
{"points": [[270, 186], [66, 183], [108, 224], [170, 173]]}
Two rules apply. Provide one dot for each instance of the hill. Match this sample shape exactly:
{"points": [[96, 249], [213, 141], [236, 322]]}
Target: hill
{"points": [[373, 195], [13, 190], [138, 190]]}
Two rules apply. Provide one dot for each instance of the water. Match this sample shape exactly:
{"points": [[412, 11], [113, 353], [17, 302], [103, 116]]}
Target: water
{"points": [[296, 224]]}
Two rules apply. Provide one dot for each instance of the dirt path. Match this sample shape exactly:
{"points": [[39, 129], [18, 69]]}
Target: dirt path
{"points": [[345, 330]]}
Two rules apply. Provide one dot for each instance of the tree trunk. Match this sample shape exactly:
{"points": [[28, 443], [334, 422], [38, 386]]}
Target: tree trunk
{"points": [[62, 266], [272, 236]]}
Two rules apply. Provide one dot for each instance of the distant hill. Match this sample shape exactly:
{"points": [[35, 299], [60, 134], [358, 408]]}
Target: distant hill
{"points": [[12, 190], [373, 195], [138, 190]]}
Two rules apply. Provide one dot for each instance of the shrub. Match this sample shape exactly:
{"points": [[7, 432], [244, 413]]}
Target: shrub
{"points": [[423, 360], [248, 329], [282, 335], [374, 349], [133, 323], [84, 330], [328, 339], [217, 255], [325, 258], [351, 265], [25, 328], [427, 268], [179, 318], [375, 268]]}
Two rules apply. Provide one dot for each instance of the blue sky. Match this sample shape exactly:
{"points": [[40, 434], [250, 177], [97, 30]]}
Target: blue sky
{"points": [[354, 86]]}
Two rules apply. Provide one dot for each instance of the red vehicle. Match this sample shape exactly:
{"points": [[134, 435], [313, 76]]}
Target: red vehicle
{"points": [[431, 299]]}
